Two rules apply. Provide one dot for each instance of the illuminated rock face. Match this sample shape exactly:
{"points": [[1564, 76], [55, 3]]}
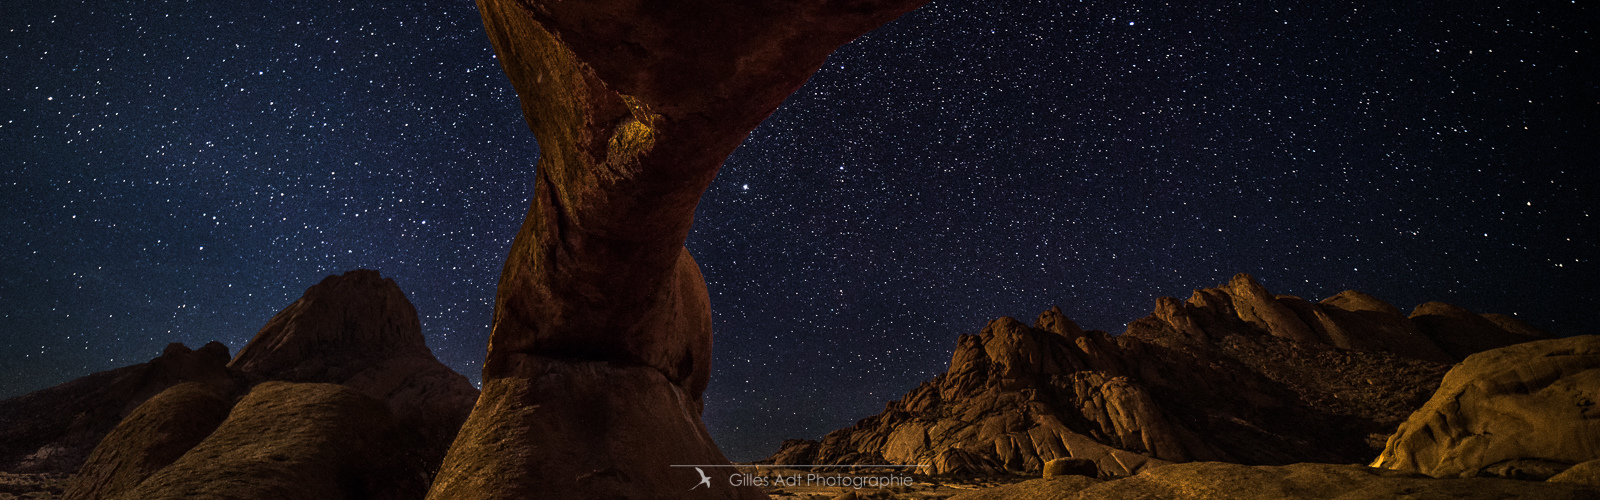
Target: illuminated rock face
{"points": [[601, 344], [1232, 374], [1525, 411]]}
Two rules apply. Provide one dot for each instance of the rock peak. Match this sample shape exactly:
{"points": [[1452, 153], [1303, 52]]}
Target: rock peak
{"points": [[348, 317]]}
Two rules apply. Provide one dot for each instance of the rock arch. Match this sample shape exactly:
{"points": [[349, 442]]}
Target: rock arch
{"points": [[601, 344]]}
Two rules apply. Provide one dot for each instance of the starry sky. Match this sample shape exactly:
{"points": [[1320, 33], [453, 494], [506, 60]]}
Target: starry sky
{"points": [[178, 171]]}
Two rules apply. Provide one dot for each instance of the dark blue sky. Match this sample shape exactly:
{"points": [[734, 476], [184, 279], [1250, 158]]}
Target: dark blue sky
{"points": [[179, 171]]}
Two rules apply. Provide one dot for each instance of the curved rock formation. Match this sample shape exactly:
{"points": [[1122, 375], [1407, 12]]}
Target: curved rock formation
{"points": [[359, 330], [54, 429], [295, 441], [157, 433], [1234, 373], [1513, 411], [635, 107]]}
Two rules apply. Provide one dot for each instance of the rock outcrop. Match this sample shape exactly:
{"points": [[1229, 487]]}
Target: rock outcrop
{"points": [[359, 330], [347, 401], [635, 108], [1526, 411], [54, 429], [1232, 374]]}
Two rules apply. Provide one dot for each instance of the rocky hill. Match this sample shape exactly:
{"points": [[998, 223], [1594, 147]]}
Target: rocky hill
{"points": [[1233, 374], [338, 395], [359, 330], [1517, 422], [52, 430]]}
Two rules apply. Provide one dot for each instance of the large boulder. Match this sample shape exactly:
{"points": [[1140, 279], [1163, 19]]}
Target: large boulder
{"points": [[1507, 411]]}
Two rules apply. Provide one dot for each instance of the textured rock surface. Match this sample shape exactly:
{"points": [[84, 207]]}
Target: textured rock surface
{"points": [[1014, 398], [635, 108], [1234, 373], [155, 435], [1534, 401], [1218, 481], [606, 431], [296, 441], [54, 429], [359, 330]]}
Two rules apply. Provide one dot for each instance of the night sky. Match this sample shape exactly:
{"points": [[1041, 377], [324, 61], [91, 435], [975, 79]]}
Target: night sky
{"points": [[179, 171]]}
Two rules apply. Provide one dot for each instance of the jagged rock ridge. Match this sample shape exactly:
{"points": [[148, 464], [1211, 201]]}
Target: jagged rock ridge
{"points": [[1232, 374]]}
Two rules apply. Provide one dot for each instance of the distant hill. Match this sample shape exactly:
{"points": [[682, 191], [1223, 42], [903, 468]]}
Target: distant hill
{"points": [[1233, 374]]}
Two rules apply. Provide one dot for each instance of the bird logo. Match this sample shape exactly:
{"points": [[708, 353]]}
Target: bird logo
{"points": [[704, 480]]}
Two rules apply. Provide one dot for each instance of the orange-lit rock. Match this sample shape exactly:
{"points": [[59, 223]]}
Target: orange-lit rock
{"points": [[1235, 373]]}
